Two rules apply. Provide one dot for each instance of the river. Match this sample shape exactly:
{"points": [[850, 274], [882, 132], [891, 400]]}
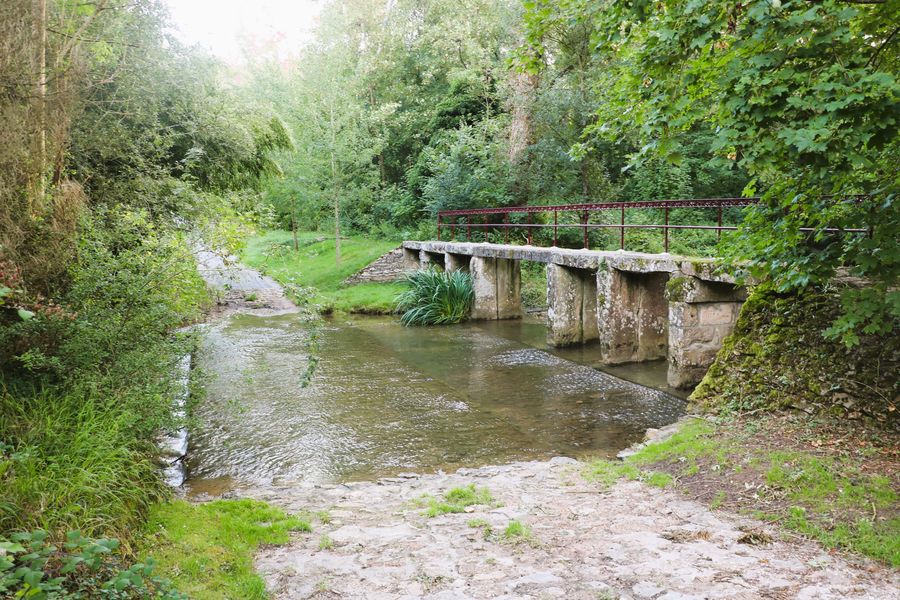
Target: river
{"points": [[385, 399]]}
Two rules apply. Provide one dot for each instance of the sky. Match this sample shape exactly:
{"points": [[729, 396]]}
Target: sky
{"points": [[227, 26]]}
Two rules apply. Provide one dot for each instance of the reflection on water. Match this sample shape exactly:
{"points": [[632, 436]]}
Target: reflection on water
{"points": [[387, 399]]}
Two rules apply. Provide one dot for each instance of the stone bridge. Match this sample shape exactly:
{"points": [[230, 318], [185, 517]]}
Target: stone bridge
{"points": [[638, 307]]}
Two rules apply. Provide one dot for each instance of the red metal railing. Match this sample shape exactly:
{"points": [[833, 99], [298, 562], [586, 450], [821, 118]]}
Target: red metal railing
{"points": [[450, 219]]}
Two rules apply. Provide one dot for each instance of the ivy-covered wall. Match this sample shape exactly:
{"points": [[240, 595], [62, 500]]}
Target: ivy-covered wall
{"points": [[777, 357]]}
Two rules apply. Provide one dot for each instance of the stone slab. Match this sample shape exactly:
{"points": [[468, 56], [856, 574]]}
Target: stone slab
{"points": [[636, 262]]}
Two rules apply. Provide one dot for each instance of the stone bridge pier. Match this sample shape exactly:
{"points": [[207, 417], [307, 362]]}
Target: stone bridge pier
{"points": [[637, 307]]}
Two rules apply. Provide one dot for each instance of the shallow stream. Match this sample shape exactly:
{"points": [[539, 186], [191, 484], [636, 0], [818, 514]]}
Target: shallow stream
{"points": [[386, 399]]}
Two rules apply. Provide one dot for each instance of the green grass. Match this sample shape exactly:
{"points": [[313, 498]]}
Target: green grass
{"points": [[207, 549], [77, 464], [314, 266], [516, 531], [827, 499], [456, 500]]}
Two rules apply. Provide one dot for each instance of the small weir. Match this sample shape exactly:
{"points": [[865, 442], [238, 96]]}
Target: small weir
{"points": [[387, 399]]}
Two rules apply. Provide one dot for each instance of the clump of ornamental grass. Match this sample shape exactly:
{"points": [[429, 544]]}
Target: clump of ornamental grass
{"points": [[436, 298]]}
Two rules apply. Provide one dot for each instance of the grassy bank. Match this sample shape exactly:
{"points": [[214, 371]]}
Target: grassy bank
{"points": [[819, 478], [312, 274], [207, 550]]}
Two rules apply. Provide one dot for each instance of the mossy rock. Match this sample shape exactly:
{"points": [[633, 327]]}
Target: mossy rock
{"points": [[777, 357]]}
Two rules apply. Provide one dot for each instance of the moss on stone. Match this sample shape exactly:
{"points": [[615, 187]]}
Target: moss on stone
{"points": [[677, 288], [777, 358]]}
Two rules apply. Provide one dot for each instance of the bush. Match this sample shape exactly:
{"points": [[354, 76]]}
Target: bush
{"points": [[31, 567], [436, 298], [88, 388]]}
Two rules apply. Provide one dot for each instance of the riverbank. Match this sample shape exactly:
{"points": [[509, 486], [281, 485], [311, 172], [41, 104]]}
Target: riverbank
{"points": [[714, 510], [544, 530], [311, 275], [829, 480]]}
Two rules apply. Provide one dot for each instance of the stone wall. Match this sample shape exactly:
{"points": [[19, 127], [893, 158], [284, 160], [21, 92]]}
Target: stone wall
{"points": [[389, 267]]}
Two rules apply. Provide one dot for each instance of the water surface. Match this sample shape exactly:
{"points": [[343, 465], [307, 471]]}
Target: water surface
{"points": [[387, 399]]}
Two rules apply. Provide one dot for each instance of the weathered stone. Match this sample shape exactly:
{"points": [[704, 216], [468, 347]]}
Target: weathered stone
{"points": [[632, 316], [718, 313], [497, 284], [636, 262], [456, 262], [588, 540], [392, 266], [572, 305]]}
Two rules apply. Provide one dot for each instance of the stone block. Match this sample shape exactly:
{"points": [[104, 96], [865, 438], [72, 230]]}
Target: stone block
{"points": [[456, 262], [719, 313], [497, 284], [633, 315], [565, 298]]}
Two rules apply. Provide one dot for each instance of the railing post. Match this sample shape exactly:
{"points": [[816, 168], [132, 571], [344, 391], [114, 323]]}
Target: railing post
{"points": [[484, 226], [505, 228], [468, 228], [555, 223], [439, 226], [529, 229], [666, 233], [584, 221], [719, 228], [622, 229]]}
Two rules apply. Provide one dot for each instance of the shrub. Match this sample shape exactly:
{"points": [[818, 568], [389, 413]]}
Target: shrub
{"points": [[436, 298], [31, 567]]}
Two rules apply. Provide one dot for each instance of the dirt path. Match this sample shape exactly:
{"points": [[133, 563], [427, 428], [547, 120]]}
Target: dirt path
{"points": [[628, 541]]}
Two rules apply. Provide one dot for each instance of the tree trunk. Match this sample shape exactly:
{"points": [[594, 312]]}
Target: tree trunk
{"points": [[294, 224], [335, 188], [40, 125]]}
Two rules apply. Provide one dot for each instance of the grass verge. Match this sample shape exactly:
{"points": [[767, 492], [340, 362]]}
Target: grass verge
{"points": [[821, 479], [314, 267], [207, 550]]}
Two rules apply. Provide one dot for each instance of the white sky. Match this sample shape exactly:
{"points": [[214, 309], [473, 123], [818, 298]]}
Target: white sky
{"points": [[228, 27]]}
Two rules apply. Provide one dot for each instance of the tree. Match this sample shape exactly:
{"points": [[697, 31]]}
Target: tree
{"points": [[802, 95]]}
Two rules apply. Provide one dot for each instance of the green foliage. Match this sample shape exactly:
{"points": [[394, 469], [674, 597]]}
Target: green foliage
{"points": [[436, 297], [90, 388], [457, 499], [803, 97], [32, 567], [208, 549], [75, 460], [465, 169], [516, 531]]}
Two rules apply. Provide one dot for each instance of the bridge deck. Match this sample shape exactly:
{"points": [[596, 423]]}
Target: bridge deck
{"points": [[706, 269]]}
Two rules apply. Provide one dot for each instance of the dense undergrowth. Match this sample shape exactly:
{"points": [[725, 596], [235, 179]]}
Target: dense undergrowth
{"points": [[311, 274], [89, 383]]}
